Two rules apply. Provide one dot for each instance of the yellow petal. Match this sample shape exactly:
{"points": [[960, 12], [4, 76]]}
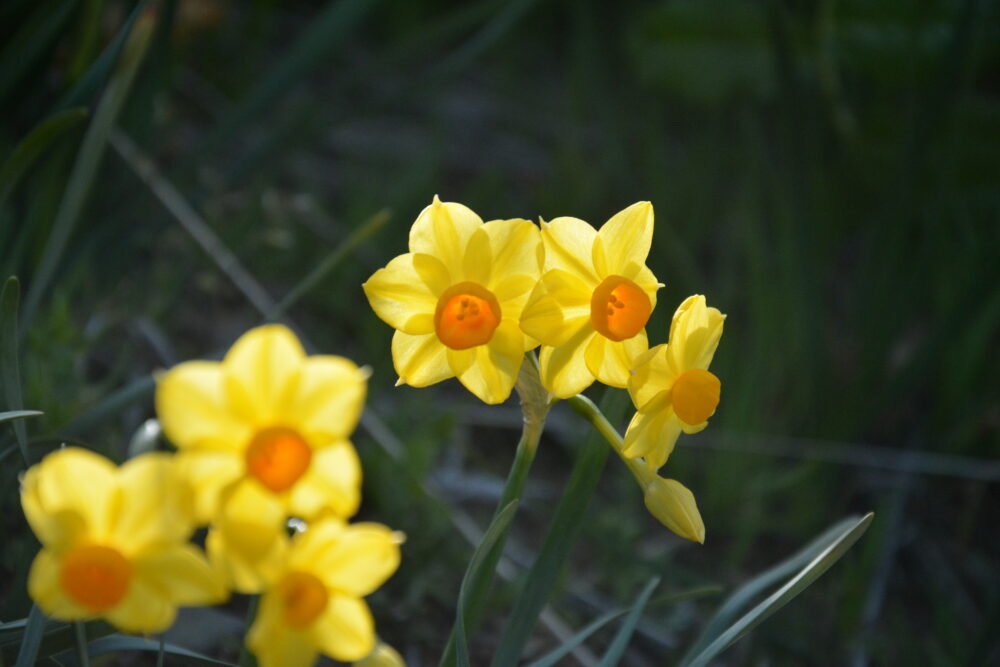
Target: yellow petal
{"points": [[401, 298], [477, 261], [354, 559], [626, 237], [276, 644], [516, 248], [145, 609], [512, 291], [260, 372], [489, 371], [328, 399], [193, 409], [443, 230], [332, 482], [383, 656], [564, 369], [694, 333], [209, 473], [420, 360], [345, 631], [609, 361], [568, 245], [71, 494], [158, 506], [48, 594], [652, 373], [183, 572], [653, 434], [674, 506], [557, 308]]}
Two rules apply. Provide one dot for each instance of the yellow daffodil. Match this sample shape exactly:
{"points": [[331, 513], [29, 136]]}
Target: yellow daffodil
{"points": [[314, 604], [114, 540], [456, 297], [267, 431], [671, 386], [596, 294]]}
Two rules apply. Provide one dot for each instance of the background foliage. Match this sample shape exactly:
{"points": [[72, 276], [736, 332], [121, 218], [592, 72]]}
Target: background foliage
{"points": [[825, 172]]}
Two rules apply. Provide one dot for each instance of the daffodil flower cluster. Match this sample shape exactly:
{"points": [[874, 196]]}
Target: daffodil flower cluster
{"points": [[471, 297], [262, 437]]}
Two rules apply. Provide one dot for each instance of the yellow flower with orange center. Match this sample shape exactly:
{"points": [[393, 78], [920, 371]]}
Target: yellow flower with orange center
{"points": [[671, 386], [263, 435], [314, 604], [114, 540], [596, 294], [455, 299]]}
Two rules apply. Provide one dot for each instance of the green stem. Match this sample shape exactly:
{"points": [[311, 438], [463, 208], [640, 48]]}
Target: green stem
{"points": [[247, 658], [81, 644], [584, 407], [535, 403]]}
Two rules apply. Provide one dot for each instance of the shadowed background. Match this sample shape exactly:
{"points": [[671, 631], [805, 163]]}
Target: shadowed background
{"points": [[824, 172]]}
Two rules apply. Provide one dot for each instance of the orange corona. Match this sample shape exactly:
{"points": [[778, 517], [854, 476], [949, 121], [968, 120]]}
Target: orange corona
{"points": [[303, 598], [277, 457], [619, 309], [95, 576], [695, 395], [467, 315]]}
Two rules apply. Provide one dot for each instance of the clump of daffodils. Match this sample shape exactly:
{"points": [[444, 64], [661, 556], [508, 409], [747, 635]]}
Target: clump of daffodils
{"points": [[262, 437], [470, 298]]}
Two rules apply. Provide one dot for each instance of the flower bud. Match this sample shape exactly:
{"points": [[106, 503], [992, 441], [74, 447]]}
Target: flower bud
{"points": [[674, 506]]}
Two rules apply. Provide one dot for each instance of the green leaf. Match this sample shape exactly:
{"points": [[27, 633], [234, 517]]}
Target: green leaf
{"points": [[11, 377], [88, 160], [621, 640], [819, 556], [480, 557], [570, 644], [56, 637], [33, 145], [19, 414], [117, 643], [563, 531], [111, 406], [31, 638]]}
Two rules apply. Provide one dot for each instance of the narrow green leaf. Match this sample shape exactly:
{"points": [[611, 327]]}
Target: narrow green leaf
{"points": [[563, 532], [487, 37], [624, 635], [97, 74], [111, 406], [8, 359], [56, 637], [117, 643], [33, 145], [31, 638], [86, 166], [567, 647], [31, 42], [831, 552], [19, 414], [480, 558]]}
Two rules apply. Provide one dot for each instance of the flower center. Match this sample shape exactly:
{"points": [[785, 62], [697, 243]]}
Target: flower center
{"points": [[278, 457], [96, 577], [467, 315], [695, 395], [303, 598], [619, 309]]}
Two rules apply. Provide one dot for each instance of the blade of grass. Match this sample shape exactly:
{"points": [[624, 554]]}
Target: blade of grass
{"points": [[19, 414], [87, 164], [111, 406], [479, 562], [624, 635], [117, 643], [33, 145], [31, 638], [11, 376], [487, 37], [831, 551], [563, 531], [81, 644]]}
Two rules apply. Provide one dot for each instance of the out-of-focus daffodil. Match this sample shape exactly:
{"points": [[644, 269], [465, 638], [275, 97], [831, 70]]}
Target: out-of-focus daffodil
{"points": [[596, 294], [314, 601], [456, 297], [671, 387], [266, 430], [114, 540]]}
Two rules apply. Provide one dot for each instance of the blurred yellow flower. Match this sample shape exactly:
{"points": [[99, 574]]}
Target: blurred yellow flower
{"points": [[313, 604], [671, 387], [596, 294], [114, 540], [456, 297], [383, 656]]}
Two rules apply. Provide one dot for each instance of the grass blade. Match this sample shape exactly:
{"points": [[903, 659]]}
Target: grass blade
{"points": [[624, 635], [33, 145], [31, 638], [19, 414], [480, 558], [830, 551], [563, 532], [117, 643], [11, 376], [88, 160]]}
